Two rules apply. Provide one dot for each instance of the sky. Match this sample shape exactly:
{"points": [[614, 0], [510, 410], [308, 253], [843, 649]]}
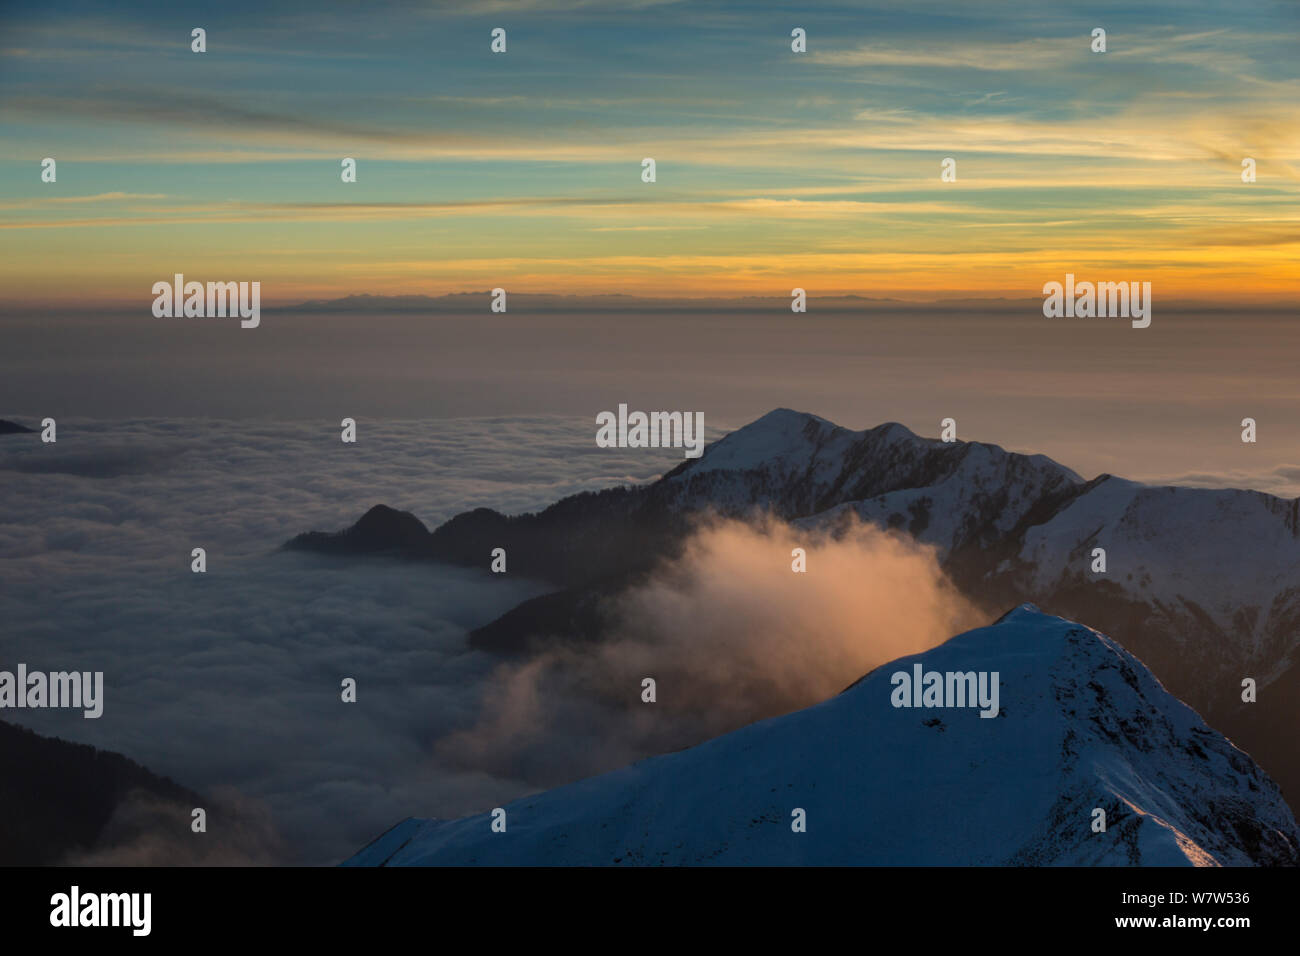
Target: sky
{"points": [[774, 169]]}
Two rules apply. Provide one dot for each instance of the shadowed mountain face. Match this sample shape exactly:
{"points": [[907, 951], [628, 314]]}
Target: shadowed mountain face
{"points": [[13, 428], [1202, 585], [57, 798], [1081, 726]]}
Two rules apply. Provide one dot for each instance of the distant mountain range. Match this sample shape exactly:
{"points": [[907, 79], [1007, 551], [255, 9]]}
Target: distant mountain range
{"points": [[524, 301], [1203, 585], [460, 302], [1082, 727]]}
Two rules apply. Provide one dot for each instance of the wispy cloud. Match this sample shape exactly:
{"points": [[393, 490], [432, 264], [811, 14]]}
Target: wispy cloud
{"points": [[1035, 54], [770, 155]]}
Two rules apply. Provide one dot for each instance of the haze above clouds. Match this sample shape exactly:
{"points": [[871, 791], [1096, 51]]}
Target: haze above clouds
{"points": [[1095, 394]]}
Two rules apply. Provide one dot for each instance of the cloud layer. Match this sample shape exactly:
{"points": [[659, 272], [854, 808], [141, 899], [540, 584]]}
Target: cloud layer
{"points": [[523, 169], [230, 680], [730, 634]]}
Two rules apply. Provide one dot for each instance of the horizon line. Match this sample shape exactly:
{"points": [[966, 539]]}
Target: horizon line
{"points": [[623, 301]]}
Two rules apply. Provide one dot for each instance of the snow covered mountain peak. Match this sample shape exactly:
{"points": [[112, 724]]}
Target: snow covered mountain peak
{"points": [[800, 466], [787, 437], [781, 434], [1081, 727]]}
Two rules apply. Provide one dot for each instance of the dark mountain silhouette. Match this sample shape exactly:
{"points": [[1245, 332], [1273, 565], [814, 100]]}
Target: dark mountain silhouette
{"points": [[57, 797], [381, 529]]}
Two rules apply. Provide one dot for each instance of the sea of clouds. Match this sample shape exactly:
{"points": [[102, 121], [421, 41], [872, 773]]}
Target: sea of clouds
{"points": [[229, 681]]}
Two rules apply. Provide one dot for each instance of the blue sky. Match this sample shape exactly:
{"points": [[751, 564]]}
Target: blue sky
{"points": [[774, 168]]}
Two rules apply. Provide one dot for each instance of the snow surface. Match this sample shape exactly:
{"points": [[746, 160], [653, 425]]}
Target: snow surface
{"points": [[1082, 725], [1224, 550]]}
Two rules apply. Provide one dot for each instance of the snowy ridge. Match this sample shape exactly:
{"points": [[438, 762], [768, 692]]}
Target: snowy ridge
{"points": [[1215, 572], [799, 465], [1082, 725]]}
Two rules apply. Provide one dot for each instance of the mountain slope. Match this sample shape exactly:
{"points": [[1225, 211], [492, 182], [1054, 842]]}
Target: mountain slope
{"points": [[1203, 585], [58, 797], [1082, 725]]}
